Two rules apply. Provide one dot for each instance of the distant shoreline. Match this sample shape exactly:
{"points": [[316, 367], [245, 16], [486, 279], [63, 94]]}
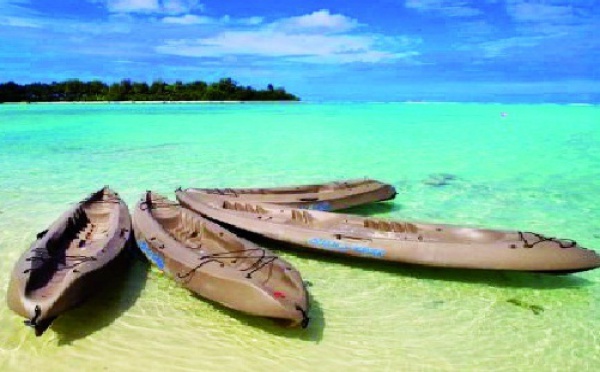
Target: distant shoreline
{"points": [[409, 102], [139, 102], [75, 90]]}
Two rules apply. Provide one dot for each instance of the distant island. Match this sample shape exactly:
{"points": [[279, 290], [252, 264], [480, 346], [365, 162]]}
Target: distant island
{"points": [[75, 90]]}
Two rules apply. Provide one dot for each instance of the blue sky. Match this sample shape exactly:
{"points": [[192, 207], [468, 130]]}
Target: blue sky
{"points": [[520, 50]]}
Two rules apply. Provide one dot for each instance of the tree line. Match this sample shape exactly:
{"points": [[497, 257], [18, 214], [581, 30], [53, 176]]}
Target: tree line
{"points": [[75, 90]]}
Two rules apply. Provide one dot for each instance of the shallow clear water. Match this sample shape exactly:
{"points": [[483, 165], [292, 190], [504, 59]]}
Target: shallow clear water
{"points": [[535, 169]]}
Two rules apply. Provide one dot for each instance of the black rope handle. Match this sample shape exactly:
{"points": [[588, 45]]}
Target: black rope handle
{"points": [[43, 256], [305, 318], [261, 261], [41, 234], [109, 201], [569, 242], [33, 321]]}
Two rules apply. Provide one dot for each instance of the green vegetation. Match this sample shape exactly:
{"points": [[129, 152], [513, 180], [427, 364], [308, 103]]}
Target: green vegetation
{"points": [[74, 90]]}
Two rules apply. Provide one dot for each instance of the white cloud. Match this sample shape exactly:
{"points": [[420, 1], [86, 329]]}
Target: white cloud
{"points": [[548, 25], [180, 6], [192, 19], [317, 22], [251, 21], [19, 10], [19, 22], [306, 47], [7, 3], [364, 57], [132, 6], [528, 11], [554, 18], [450, 8], [497, 48], [189, 19], [315, 37], [268, 43], [320, 21], [318, 37], [172, 7], [116, 24]]}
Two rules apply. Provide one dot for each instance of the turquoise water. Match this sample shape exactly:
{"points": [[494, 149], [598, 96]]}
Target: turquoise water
{"points": [[534, 169]]}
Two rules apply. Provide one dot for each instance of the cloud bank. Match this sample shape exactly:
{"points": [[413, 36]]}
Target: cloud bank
{"points": [[318, 37]]}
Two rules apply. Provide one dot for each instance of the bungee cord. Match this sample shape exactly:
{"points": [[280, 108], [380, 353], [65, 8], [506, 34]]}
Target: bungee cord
{"points": [[221, 258], [563, 243]]}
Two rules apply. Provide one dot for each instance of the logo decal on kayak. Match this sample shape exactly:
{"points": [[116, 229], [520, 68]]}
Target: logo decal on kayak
{"points": [[152, 256], [321, 206], [335, 246]]}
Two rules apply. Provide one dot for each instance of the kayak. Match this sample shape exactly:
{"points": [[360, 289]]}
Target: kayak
{"points": [[326, 197], [426, 244], [70, 260], [216, 264]]}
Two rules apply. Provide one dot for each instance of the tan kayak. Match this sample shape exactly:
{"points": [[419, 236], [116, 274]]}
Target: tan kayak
{"points": [[215, 264], [401, 241], [325, 197], [70, 260]]}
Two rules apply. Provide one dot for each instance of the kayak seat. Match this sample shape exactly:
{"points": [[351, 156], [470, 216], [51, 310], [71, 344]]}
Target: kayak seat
{"points": [[390, 226], [244, 207], [302, 217]]}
